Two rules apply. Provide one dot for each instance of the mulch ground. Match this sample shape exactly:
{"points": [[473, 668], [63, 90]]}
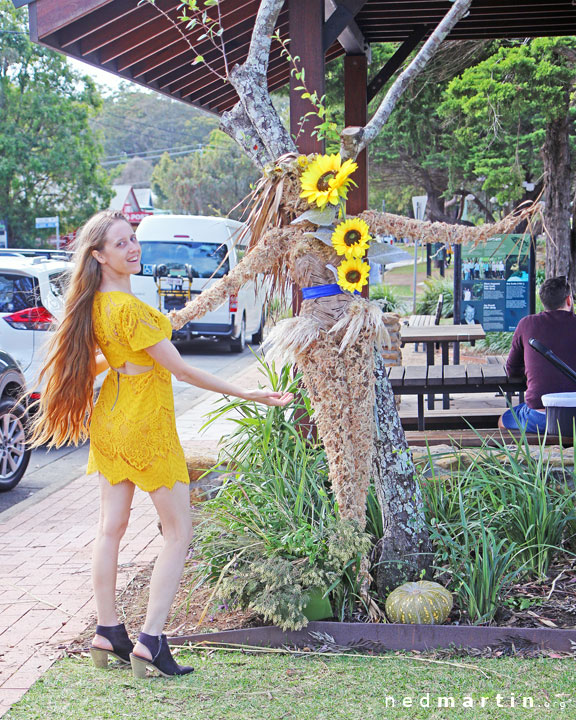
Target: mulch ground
{"points": [[550, 603]]}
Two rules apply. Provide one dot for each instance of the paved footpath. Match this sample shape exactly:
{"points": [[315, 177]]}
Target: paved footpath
{"points": [[46, 596]]}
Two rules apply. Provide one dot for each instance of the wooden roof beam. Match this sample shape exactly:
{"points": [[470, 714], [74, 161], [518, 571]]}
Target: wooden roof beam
{"points": [[52, 15], [86, 26], [340, 25], [168, 62], [378, 82], [237, 51], [146, 15]]}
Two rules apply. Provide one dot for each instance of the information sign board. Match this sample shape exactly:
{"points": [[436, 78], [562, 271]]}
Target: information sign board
{"points": [[496, 282]]}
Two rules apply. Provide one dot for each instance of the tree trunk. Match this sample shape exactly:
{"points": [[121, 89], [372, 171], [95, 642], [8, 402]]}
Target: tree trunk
{"points": [[403, 552], [560, 255]]}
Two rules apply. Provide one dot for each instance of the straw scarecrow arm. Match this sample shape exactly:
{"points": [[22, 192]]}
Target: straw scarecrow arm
{"points": [[388, 224], [259, 260]]}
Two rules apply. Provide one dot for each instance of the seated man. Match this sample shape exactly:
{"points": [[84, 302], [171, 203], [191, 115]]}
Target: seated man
{"points": [[556, 329]]}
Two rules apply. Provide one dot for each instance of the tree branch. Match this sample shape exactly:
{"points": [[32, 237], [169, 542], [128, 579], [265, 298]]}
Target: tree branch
{"points": [[251, 84], [356, 139], [239, 127], [262, 34]]}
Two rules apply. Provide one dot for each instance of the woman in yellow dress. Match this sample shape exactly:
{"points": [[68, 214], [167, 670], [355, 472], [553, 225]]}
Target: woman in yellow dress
{"points": [[132, 427]]}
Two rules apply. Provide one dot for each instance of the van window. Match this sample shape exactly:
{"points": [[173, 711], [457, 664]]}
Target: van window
{"points": [[206, 259]]}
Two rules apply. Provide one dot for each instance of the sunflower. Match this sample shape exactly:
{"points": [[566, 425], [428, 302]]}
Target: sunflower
{"points": [[326, 180], [351, 238], [353, 274]]}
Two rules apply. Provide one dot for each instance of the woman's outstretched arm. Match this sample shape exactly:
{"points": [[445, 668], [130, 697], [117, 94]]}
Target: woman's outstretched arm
{"points": [[166, 355]]}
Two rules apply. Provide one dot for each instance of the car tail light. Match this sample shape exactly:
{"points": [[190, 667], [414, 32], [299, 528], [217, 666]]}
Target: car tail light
{"points": [[36, 318], [233, 303]]}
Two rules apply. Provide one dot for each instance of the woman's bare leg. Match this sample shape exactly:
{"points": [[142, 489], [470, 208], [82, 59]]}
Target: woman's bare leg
{"points": [[173, 506], [115, 502]]}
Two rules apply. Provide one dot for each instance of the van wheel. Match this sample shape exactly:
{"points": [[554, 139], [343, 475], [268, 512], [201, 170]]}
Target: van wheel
{"points": [[258, 336], [14, 454], [238, 344]]}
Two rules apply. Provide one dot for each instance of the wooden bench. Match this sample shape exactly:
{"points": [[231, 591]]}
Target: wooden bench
{"points": [[476, 438], [422, 380]]}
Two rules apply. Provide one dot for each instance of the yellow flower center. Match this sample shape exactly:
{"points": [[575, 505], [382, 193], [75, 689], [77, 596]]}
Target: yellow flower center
{"points": [[353, 276], [352, 237], [323, 183]]}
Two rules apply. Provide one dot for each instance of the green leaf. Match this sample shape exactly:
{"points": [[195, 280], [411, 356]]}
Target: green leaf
{"points": [[322, 218]]}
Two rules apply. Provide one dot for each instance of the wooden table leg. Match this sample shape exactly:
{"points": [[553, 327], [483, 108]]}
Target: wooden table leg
{"points": [[430, 361], [445, 361], [420, 411]]}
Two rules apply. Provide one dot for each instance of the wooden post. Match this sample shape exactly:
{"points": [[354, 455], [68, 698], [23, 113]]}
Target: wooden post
{"points": [[356, 115], [306, 23]]}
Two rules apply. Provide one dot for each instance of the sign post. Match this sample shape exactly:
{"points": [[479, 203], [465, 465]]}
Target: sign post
{"points": [[50, 222], [419, 206], [3, 235]]}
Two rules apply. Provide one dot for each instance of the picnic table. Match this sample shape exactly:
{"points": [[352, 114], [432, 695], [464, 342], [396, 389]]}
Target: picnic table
{"points": [[422, 380], [442, 335]]}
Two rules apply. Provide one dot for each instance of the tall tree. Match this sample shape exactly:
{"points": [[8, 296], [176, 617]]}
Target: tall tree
{"points": [[510, 118], [211, 181], [49, 156], [136, 123]]}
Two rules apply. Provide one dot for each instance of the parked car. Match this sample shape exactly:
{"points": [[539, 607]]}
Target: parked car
{"points": [[14, 454], [31, 299], [182, 255]]}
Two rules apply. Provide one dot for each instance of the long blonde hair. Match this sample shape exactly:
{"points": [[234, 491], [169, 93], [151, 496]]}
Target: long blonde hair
{"points": [[67, 377]]}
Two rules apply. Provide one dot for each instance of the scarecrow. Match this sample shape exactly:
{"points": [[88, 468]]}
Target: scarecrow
{"points": [[298, 234]]}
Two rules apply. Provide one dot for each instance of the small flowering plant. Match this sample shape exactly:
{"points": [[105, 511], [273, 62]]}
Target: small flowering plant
{"points": [[325, 182]]}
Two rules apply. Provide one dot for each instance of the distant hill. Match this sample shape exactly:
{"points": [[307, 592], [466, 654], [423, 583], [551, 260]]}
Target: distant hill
{"points": [[141, 124]]}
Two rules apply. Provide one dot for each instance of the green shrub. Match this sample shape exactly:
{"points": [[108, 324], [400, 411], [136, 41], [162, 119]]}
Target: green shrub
{"points": [[497, 514], [386, 298], [433, 288], [272, 535], [496, 343]]}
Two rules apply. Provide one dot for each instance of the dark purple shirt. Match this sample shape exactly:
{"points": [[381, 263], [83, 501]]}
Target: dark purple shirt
{"points": [[556, 329]]}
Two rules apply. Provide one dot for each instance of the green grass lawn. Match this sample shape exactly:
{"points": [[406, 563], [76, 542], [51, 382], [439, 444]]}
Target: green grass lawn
{"points": [[237, 686]]}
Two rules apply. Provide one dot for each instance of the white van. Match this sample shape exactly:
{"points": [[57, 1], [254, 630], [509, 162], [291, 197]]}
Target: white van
{"points": [[195, 251]]}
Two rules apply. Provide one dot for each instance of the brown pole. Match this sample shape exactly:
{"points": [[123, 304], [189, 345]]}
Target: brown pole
{"points": [[356, 115], [306, 23]]}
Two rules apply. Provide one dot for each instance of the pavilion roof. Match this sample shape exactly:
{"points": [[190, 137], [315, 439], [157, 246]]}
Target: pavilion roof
{"points": [[136, 41]]}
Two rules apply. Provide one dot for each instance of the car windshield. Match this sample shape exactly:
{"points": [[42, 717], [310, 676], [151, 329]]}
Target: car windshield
{"points": [[206, 259], [18, 292]]}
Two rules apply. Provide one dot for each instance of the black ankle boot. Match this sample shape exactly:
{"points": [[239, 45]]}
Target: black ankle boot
{"points": [[122, 646], [162, 659]]}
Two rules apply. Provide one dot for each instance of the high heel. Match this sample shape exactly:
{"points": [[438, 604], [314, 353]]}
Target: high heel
{"points": [[162, 659], [122, 646]]}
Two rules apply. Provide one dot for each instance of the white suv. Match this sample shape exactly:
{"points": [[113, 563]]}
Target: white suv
{"points": [[31, 299]]}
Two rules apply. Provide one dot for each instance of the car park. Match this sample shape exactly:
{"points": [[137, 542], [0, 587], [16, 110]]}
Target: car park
{"points": [[14, 454], [182, 255]]}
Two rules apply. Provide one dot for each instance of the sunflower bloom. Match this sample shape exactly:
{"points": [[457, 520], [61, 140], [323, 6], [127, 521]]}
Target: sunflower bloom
{"points": [[351, 238], [353, 274], [326, 180]]}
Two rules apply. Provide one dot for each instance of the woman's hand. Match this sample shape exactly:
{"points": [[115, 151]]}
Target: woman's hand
{"points": [[269, 397]]}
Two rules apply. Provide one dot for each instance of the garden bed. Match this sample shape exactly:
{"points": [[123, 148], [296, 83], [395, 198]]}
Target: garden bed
{"points": [[540, 621]]}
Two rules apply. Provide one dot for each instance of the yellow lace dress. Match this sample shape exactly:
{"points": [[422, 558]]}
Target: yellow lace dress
{"points": [[133, 427]]}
